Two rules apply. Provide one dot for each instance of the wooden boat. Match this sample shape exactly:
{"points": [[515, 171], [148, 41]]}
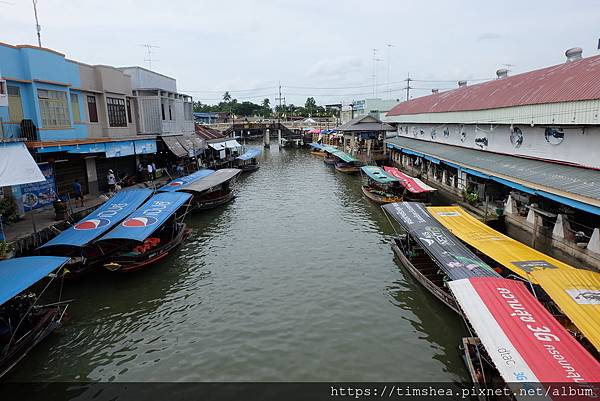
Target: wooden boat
{"points": [[24, 322], [347, 168], [519, 344], [415, 190], [77, 242], [430, 253], [329, 159], [316, 152], [381, 188], [212, 191], [248, 162], [148, 235]]}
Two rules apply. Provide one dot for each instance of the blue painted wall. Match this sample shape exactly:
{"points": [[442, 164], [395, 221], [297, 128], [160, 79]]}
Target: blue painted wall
{"points": [[30, 64]]}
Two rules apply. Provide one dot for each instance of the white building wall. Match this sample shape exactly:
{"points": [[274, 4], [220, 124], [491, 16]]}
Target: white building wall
{"points": [[577, 145], [142, 78]]}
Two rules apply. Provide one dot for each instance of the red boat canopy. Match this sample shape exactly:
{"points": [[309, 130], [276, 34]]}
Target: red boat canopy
{"points": [[522, 338], [413, 185]]}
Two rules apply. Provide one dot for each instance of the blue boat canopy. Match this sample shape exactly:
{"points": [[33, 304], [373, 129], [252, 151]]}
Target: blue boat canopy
{"points": [[102, 219], [142, 223], [18, 274], [378, 174], [188, 179], [250, 154], [316, 145]]}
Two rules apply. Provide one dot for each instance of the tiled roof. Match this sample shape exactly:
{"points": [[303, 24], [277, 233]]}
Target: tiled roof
{"points": [[572, 81]]}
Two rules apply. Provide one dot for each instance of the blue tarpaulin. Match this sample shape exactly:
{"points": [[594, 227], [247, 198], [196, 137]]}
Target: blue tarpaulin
{"points": [[188, 179], [102, 219], [110, 149], [316, 145], [140, 224], [18, 274], [250, 154]]}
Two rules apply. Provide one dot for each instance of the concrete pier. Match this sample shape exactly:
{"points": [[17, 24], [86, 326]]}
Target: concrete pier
{"points": [[267, 138]]}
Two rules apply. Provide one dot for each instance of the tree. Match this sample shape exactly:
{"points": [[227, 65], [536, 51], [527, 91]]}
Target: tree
{"points": [[310, 105], [266, 103], [226, 97]]}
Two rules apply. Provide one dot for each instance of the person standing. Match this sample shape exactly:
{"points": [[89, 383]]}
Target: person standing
{"points": [[77, 190], [149, 169], [112, 181], [153, 171]]}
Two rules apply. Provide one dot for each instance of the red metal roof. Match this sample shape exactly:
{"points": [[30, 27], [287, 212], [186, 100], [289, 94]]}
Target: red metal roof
{"points": [[576, 80], [208, 133]]}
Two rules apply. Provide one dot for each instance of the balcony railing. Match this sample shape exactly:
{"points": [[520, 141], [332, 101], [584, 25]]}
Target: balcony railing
{"points": [[25, 130]]}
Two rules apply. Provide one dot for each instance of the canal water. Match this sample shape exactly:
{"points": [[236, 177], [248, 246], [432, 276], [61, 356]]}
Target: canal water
{"points": [[293, 281]]}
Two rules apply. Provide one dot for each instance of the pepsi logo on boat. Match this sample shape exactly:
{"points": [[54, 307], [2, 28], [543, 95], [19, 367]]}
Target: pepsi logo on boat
{"points": [[148, 217], [91, 224], [139, 222]]}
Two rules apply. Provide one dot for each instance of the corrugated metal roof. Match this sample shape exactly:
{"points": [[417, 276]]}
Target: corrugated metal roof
{"points": [[208, 133], [365, 123], [573, 81], [574, 180]]}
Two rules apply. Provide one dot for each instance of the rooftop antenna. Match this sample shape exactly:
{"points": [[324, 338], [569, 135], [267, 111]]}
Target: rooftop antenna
{"points": [[38, 28], [389, 60], [508, 67], [149, 48]]}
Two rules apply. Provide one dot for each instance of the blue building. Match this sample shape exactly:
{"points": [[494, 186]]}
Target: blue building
{"points": [[78, 121]]}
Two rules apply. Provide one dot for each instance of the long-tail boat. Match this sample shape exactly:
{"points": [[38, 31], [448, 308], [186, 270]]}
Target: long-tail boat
{"points": [[381, 188], [213, 190], [317, 149], [414, 189], [247, 162]]}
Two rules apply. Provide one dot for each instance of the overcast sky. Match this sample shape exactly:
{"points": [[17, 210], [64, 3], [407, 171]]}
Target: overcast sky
{"points": [[247, 47]]}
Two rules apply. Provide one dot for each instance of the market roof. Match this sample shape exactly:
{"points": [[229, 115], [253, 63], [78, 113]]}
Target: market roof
{"points": [[577, 294], [140, 224], [108, 215], [507, 317], [574, 186], [567, 82], [508, 252], [174, 146], [208, 182], [377, 174], [451, 255], [365, 123], [18, 274], [207, 133]]}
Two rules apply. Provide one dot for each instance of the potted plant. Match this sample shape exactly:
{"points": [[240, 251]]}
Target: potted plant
{"points": [[6, 250]]}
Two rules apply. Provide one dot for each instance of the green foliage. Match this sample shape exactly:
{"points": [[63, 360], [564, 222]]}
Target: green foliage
{"points": [[5, 248], [8, 210]]}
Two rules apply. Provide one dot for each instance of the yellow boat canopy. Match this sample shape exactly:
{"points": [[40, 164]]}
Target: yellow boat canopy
{"points": [[506, 251], [577, 293]]}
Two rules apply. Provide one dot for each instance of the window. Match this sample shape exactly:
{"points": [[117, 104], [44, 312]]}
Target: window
{"points": [[15, 107], [92, 110], [54, 109], [129, 110], [75, 108], [162, 110], [170, 113], [117, 115]]}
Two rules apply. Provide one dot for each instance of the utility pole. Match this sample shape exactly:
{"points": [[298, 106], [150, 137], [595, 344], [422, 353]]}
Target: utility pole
{"points": [[389, 60], [149, 48], [408, 87], [280, 98], [374, 76], [38, 28]]}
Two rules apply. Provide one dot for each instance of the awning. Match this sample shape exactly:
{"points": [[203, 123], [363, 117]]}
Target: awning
{"points": [[577, 294], [521, 337], [330, 149], [233, 144], [17, 165], [109, 148], [412, 184], [179, 182], [18, 274], [377, 174], [573, 186], [451, 255], [250, 154], [140, 224], [192, 144], [206, 183], [511, 254], [102, 219], [345, 156], [218, 145], [175, 146]]}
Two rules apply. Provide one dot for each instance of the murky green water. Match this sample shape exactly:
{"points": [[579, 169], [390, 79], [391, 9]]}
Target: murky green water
{"points": [[293, 281]]}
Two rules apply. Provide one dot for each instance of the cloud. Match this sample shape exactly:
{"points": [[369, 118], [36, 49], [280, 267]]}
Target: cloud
{"points": [[335, 67]]}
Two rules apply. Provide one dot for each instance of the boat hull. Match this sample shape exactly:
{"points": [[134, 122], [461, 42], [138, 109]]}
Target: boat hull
{"points": [[440, 294], [347, 169], [213, 202], [318, 153], [329, 160], [248, 168], [381, 200]]}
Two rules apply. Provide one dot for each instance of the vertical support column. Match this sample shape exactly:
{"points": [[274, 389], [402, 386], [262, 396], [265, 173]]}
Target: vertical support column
{"points": [[562, 229], [267, 138], [594, 244], [279, 137], [510, 207]]}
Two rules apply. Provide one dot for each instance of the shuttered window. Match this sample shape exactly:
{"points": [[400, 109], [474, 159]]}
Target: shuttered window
{"points": [[15, 106], [54, 109], [75, 108]]}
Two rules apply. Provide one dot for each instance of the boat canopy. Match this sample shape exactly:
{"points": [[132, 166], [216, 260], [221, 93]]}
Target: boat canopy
{"points": [[250, 154], [451, 255], [316, 145], [179, 182], [412, 184], [508, 252], [377, 174], [102, 219], [522, 338], [330, 149], [18, 274], [206, 183], [140, 224], [345, 156], [577, 294]]}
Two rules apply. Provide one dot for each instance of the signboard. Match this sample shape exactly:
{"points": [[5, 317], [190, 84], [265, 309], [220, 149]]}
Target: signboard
{"points": [[39, 194]]}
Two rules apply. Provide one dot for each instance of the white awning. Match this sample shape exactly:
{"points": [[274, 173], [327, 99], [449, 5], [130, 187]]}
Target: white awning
{"points": [[17, 165], [218, 145], [233, 144]]}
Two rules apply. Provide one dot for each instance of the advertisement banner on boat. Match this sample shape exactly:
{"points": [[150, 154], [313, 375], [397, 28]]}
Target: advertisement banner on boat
{"points": [[448, 252], [525, 342], [185, 180]]}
